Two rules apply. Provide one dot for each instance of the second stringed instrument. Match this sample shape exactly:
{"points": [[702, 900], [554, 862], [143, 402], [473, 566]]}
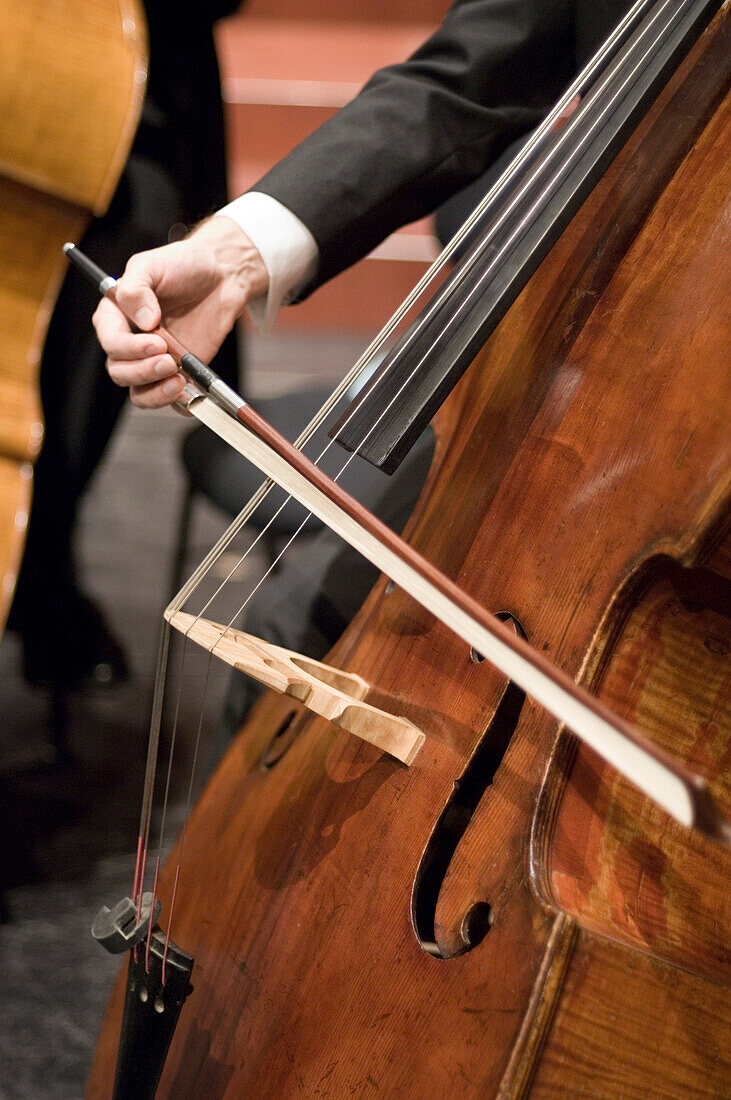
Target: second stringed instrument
{"points": [[60, 160], [504, 915]]}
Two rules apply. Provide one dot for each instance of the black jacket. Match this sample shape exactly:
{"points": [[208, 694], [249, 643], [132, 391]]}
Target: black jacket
{"points": [[421, 130]]}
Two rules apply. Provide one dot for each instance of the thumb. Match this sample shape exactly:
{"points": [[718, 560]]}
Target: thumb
{"points": [[135, 291]]}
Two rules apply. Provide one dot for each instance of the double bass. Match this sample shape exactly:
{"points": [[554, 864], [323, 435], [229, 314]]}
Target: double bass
{"points": [[67, 129], [502, 913]]}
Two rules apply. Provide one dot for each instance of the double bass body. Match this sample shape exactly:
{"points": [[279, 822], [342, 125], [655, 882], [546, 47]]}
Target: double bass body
{"points": [[572, 941]]}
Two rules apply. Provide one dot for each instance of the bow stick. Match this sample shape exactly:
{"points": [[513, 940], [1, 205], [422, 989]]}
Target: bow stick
{"points": [[684, 795]]}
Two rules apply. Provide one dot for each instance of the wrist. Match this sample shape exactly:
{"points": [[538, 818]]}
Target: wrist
{"points": [[287, 248], [236, 255]]}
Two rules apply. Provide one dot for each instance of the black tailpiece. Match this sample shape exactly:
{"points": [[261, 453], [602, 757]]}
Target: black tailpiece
{"points": [[151, 1007]]}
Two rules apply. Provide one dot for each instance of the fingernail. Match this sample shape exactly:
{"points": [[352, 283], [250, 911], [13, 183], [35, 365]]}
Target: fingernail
{"points": [[173, 386], [152, 349], [163, 367], [145, 317]]}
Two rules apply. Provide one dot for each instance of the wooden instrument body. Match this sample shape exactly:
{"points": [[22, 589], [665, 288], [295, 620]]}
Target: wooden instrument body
{"points": [[584, 450], [73, 82]]}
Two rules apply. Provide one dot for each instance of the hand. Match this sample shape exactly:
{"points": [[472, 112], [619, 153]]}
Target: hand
{"points": [[200, 286]]}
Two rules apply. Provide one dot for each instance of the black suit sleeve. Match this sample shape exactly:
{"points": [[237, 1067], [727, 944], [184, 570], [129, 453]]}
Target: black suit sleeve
{"points": [[421, 130]]}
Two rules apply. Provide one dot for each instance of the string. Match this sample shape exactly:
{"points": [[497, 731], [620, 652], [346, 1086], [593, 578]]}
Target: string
{"points": [[564, 134], [500, 254], [181, 676], [500, 185], [185, 818], [564, 137]]}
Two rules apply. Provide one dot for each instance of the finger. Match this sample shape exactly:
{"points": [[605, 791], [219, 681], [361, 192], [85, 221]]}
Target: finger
{"points": [[120, 344], [141, 372], [566, 113], [158, 394], [134, 292], [117, 339], [108, 320]]}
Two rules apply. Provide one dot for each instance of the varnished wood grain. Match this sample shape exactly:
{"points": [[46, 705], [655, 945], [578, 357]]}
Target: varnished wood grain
{"points": [[33, 228], [628, 1027], [74, 74], [615, 863], [15, 498]]}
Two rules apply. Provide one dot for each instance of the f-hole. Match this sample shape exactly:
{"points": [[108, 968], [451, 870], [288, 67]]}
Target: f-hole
{"points": [[282, 740], [454, 821]]}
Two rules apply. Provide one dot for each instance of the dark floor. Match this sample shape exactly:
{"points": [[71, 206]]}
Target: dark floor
{"points": [[68, 829]]}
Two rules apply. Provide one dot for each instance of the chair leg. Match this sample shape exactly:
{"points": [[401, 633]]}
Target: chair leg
{"points": [[181, 546], [270, 545], [58, 722], [177, 570]]}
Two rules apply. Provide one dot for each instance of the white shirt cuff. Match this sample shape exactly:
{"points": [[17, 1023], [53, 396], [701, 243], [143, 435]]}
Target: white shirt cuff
{"points": [[286, 246]]}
